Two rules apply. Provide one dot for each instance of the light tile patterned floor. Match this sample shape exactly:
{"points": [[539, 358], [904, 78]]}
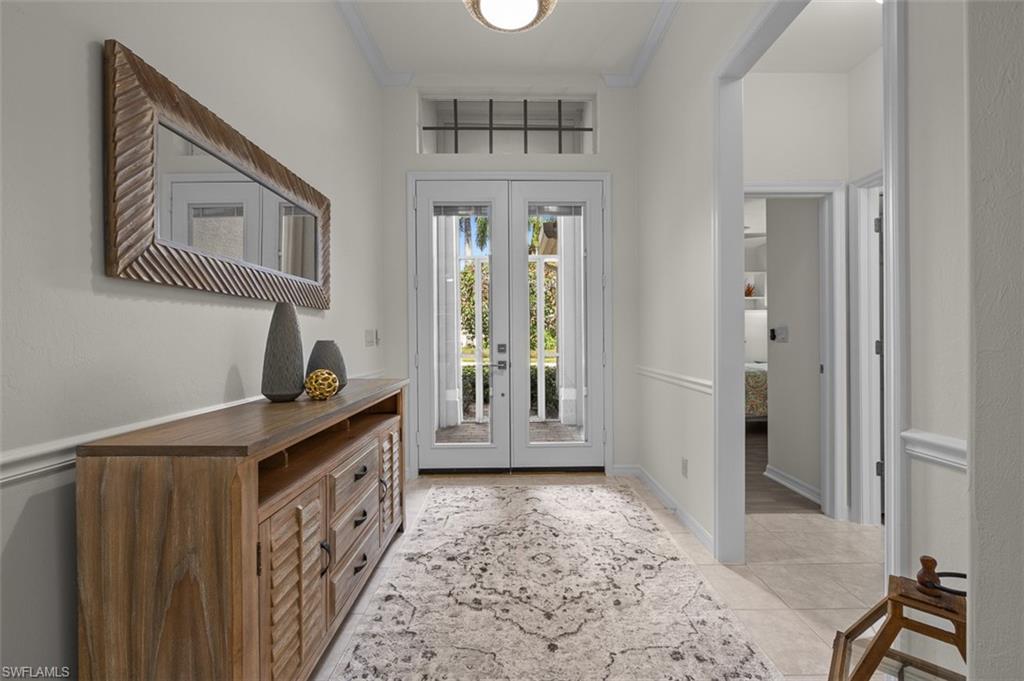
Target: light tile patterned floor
{"points": [[806, 575]]}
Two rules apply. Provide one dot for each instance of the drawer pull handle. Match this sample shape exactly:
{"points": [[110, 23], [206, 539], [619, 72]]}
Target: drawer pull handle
{"points": [[361, 519], [359, 568], [326, 547], [361, 473]]}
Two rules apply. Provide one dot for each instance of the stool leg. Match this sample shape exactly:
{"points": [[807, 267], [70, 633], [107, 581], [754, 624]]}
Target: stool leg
{"points": [[960, 631], [880, 645]]}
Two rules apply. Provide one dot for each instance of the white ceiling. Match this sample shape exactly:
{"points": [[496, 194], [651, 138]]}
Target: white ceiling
{"points": [[829, 36], [439, 37]]}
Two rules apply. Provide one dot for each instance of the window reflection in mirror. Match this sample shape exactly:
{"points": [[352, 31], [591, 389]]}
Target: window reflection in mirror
{"points": [[207, 205]]}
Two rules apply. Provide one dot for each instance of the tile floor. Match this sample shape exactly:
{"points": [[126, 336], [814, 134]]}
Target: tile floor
{"points": [[806, 575]]}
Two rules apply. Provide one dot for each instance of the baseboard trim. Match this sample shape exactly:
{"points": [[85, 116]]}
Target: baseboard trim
{"points": [[669, 501], [56, 455], [793, 484], [700, 385], [934, 448]]}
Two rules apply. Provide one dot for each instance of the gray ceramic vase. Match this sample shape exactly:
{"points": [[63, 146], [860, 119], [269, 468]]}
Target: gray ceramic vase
{"points": [[283, 379], [327, 355]]}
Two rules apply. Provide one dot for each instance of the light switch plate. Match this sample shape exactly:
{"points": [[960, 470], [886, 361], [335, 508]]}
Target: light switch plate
{"points": [[370, 338]]}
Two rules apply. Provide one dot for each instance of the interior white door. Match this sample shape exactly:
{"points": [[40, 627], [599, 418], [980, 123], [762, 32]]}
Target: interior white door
{"points": [[462, 387], [556, 247]]}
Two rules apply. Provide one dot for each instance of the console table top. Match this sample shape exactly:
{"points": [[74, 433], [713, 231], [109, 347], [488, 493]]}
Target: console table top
{"points": [[252, 429]]}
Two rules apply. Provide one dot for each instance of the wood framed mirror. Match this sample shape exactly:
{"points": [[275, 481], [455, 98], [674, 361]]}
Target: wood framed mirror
{"points": [[191, 202]]}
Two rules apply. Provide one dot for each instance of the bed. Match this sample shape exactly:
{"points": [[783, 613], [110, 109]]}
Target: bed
{"points": [[756, 381]]}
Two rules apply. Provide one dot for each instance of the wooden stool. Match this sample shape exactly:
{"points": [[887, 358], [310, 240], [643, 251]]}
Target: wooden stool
{"points": [[904, 593]]}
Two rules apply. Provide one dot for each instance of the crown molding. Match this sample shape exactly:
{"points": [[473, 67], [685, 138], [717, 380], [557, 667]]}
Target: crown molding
{"points": [[384, 76], [643, 59]]}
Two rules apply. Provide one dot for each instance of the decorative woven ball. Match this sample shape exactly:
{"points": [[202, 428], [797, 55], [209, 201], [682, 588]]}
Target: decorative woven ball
{"points": [[322, 384]]}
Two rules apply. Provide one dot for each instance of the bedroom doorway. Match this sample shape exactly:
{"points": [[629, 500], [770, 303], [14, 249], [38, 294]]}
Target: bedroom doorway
{"points": [[789, 340]]}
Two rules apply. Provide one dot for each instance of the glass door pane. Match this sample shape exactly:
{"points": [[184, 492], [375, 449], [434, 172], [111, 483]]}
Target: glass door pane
{"points": [[557, 316], [462, 374], [462, 306], [554, 274]]}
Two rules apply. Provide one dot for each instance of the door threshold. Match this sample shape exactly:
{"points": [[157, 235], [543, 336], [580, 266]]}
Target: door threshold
{"points": [[510, 471]]}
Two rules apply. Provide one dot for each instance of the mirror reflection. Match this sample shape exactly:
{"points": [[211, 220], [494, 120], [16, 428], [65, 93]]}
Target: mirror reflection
{"points": [[209, 206]]}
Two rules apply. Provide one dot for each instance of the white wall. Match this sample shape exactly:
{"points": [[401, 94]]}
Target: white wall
{"points": [[813, 126], [795, 127], [83, 352], [616, 139], [675, 219], [995, 55], [794, 404], [938, 283], [864, 117]]}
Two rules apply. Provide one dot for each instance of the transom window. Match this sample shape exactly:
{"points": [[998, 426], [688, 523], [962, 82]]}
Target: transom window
{"points": [[506, 126]]}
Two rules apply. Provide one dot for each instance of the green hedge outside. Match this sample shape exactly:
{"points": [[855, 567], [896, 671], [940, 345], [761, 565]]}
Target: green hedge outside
{"points": [[550, 389]]}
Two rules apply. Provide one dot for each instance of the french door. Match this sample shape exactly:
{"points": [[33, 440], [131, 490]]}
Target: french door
{"points": [[509, 324]]}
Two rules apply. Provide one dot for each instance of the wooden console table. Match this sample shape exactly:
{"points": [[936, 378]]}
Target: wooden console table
{"points": [[231, 545]]}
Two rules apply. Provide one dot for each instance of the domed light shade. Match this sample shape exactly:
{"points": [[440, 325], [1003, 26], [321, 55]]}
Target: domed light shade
{"points": [[510, 16]]}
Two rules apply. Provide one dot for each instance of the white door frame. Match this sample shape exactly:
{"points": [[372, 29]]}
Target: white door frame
{"points": [[412, 177], [865, 416], [832, 335], [767, 27]]}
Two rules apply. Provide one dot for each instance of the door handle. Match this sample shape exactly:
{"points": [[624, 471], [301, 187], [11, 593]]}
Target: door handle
{"points": [[502, 365]]}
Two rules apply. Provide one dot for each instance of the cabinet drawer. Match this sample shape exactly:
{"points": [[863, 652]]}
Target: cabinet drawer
{"points": [[350, 481], [347, 529], [350, 575]]}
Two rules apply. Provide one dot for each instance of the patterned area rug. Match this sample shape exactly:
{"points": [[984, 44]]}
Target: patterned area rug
{"points": [[555, 582]]}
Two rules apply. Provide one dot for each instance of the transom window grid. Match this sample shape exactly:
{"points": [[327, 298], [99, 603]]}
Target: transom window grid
{"points": [[563, 122]]}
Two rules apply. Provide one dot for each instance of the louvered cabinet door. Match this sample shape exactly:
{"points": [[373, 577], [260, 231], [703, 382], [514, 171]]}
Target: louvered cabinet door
{"points": [[292, 596], [391, 480]]}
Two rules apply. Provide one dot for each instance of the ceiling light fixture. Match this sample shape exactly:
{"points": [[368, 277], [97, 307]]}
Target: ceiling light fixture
{"points": [[510, 16]]}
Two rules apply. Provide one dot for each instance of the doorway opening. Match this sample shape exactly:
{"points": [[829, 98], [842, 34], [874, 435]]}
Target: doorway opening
{"points": [[787, 244], [843, 480], [509, 323]]}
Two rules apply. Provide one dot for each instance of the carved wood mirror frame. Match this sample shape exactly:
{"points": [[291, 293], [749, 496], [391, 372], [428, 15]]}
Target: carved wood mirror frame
{"points": [[137, 100]]}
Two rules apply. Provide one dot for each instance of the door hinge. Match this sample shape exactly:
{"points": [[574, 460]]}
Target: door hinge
{"points": [[878, 225], [878, 347], [879, 468], [416, 360], [821, 368], [259, 559], [604, 436]]}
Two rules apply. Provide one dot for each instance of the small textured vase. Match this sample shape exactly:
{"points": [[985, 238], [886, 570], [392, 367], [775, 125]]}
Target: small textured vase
{"points": [[283, 379], [327, 355]]}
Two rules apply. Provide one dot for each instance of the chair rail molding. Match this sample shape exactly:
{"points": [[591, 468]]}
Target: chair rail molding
{"points": [[934, 448], [54, 455], [700, 385]]}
